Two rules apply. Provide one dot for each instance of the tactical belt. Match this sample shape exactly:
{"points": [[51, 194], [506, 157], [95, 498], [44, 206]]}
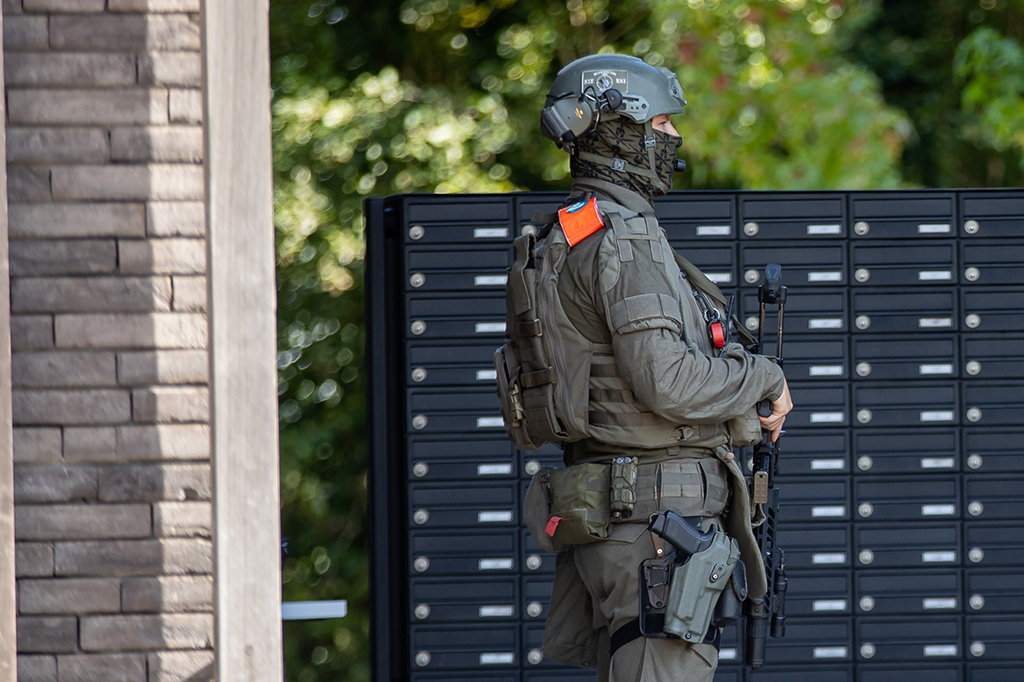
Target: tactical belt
{"points": [[631, 630]]}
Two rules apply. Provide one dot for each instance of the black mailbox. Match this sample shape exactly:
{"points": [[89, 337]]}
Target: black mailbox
{"points": [[815, 452], [697, 217], [792, 216], [994, 403], [997, 543], [994, 497], [817, 593], [454, 458], [993, 356], [992, 262], [824, 546], [912, 356], [452, 363], [486, 600], [994, 450], [468, 646], [997, 638], [992, 214], [891, 593], [895, 263], [899, 452], [458, 316], [457, 220], [476, 506], [906, 498], [452, 268], [904, 639], [807, 264], [994, 590], [904, 310], [905, 404], [469, 552], [902, 215], [992, 309], [916, 672], [932, 545]]}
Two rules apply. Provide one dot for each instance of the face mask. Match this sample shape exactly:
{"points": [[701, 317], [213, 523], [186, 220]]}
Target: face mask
{"points": [[665, 159], [624, 139]]}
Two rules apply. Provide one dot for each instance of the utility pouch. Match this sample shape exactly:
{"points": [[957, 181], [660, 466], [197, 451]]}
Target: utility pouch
{"points": [[623, 487], [510, 396], [744, 430], [579, 504], [696, 587]]}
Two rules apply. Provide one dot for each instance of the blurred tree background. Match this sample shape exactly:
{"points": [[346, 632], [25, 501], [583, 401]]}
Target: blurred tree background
{"points": [[375, 97]]}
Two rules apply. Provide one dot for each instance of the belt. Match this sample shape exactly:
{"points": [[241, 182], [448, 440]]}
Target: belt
{"points": [[631, 630]]}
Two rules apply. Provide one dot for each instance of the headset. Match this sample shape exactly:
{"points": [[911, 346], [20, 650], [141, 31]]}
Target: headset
{"points": [[567, 118]]}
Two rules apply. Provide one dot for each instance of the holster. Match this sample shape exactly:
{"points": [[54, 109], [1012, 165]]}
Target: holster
{"points": [[696, 587]]}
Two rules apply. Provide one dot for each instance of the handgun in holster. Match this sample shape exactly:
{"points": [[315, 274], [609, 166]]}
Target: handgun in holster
{"points": [[696, 588]]}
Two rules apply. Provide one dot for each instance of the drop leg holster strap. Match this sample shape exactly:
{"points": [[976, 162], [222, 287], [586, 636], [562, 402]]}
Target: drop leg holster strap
{"points": [[631, 630]]}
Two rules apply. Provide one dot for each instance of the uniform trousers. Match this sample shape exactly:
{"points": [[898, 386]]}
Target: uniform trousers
{"points": [[610, 572]]}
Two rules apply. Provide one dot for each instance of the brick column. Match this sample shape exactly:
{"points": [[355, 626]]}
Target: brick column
{"points": [[109, 333]]}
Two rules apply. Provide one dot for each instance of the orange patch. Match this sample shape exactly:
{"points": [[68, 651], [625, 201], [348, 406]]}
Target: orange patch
{"points": [[579, 221]]}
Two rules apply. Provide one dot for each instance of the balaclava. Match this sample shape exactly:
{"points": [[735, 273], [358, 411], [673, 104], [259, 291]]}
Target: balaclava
{"points": [[621, 138]]}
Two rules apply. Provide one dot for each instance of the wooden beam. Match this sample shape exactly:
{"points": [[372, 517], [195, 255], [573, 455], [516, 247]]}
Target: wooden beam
{"points": [[243, 341], [8, 603]]}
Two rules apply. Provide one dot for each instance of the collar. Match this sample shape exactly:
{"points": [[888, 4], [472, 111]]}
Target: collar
{"points": [[620, 195]]}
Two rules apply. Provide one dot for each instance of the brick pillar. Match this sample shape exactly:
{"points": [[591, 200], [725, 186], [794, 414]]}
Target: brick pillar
{"points": [[109, 334]]}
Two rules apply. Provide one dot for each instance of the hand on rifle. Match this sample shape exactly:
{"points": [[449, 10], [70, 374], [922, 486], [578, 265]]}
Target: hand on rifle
{"points": [[780, 408]]}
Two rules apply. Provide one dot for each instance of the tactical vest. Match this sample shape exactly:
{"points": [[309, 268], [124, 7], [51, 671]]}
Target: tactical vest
{"points": [[557, 386]]}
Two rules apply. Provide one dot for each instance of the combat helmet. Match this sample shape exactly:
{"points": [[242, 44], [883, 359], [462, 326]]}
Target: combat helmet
{"points": [[602, 87]]}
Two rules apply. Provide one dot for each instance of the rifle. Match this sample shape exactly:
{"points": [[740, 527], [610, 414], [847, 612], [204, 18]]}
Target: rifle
{"points": [[767, 614]]}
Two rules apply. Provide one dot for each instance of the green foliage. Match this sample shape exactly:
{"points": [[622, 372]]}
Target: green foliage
{"points": [[913, 46], [378, 97], [993, 68]]}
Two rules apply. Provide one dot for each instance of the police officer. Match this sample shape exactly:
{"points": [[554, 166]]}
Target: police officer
{"points": [[642, 370]]}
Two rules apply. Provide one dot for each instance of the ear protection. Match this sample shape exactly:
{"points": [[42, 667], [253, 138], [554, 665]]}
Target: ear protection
{"points": [[567, 118]]}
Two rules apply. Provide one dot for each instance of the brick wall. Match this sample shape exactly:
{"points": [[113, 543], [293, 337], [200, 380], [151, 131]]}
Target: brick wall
{"points": [[109, 338]]}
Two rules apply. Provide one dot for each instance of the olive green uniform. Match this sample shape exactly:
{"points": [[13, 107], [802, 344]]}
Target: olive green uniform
{"points": [[643, 380]]}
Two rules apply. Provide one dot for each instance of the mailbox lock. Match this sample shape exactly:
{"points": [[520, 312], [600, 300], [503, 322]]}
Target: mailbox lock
{"points": [[977, 649], [534, 609], [862, 322], [861, 228], [418, 327], [974, 320], [975, 508], [974, 414], [528, 229], [422, 611], [976, 555], [864, 416], [972, 274], [535, 656], [419, 374], [533, 562], [419, 422], [421, 564], [751, 276], [863, 369], [532, 467], [971, 227], [752, 323], [420, 469], [974, 368], [862, 274], [867, 603], [866, 557], [867, 650], [864, 463], [423, 658], [417, 279], [866, 509], [420, 516], [416, 233], [751, 228], [975, 461], [977, 602]]}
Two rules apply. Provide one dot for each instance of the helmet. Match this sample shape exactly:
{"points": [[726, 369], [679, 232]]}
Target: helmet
{"points": [[605, 86]]}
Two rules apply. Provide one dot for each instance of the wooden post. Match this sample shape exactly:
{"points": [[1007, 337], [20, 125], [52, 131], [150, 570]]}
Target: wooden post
{"points": [[243, 341], [8, 602]]}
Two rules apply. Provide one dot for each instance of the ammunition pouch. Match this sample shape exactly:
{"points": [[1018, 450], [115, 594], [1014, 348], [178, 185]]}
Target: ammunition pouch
{"points": [[744, 430], [696, 587]]}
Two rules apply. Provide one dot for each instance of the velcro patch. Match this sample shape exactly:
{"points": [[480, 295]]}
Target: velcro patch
{"points": [[580, 220]]}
